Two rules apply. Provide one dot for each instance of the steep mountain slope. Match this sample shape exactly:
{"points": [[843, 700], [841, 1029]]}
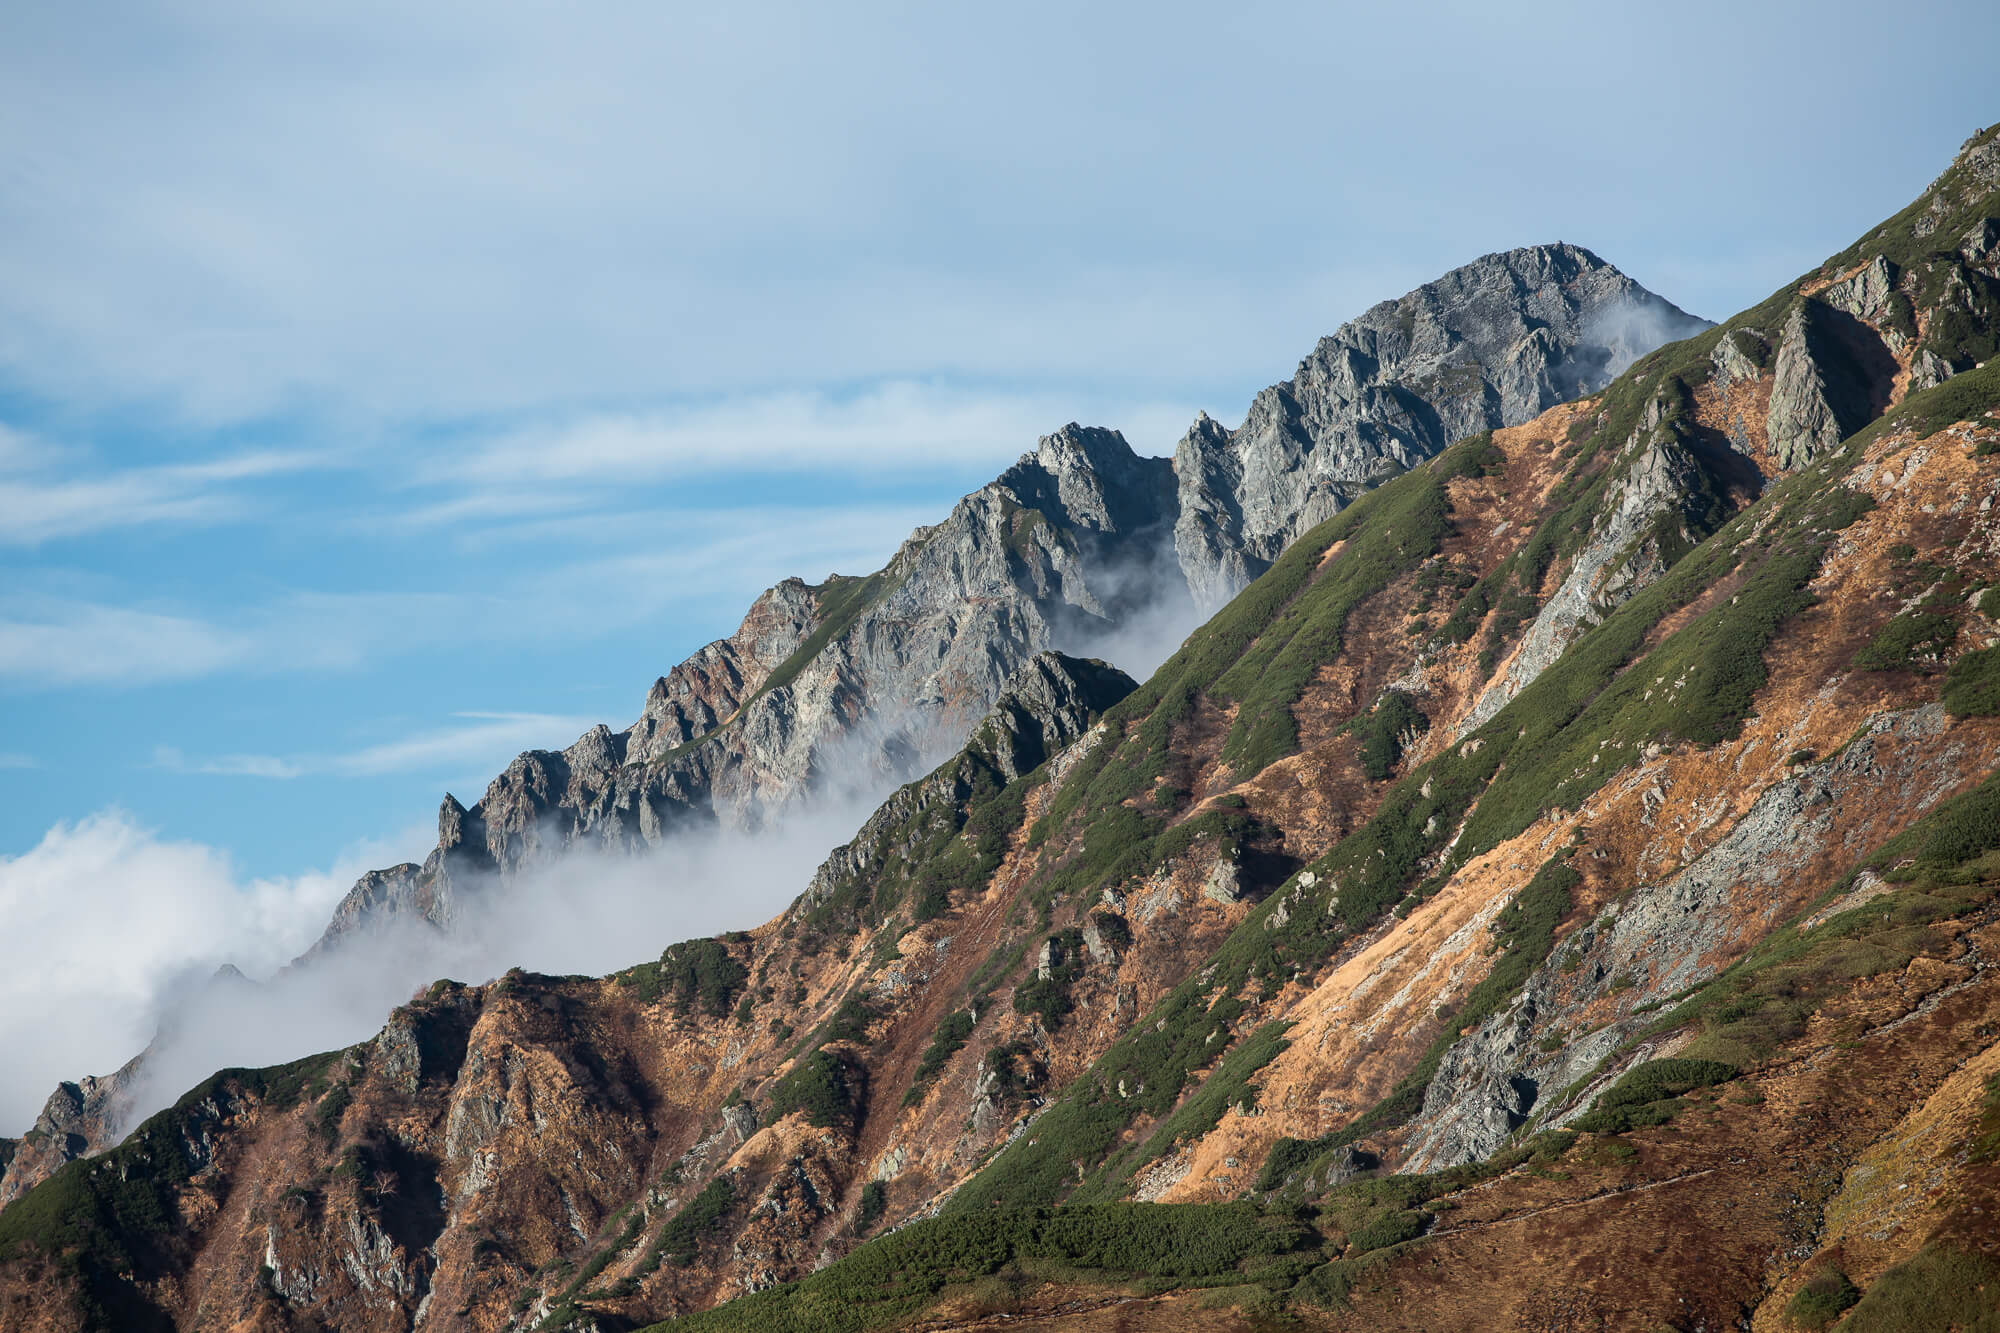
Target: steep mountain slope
{"points": [[843, 689], [1559, 893]]}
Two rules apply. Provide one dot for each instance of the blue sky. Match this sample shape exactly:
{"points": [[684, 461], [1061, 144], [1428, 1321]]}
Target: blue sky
{"points": [[388, 389]]}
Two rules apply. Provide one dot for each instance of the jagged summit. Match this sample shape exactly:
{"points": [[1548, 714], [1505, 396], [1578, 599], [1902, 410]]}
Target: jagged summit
{"points": [[1493, 343], [1077, 539]]}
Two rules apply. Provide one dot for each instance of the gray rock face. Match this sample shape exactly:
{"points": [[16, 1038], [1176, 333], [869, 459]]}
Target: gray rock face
{"points": [[1981, 245], [1864, 294], [1820, 390], [1664, 493], [918, 653], [78, 1119], [1666, 936], [1494, 343], [1046, 706]]}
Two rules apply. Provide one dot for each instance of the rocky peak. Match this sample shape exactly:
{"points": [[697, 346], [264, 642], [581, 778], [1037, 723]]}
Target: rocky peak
{"points": [[1046, 705], [1493, 343], [1080, 537], [1096, 479]]}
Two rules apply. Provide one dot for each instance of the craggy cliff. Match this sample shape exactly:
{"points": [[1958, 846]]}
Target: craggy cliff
{"points": [[868, 681], [1561, 891]]}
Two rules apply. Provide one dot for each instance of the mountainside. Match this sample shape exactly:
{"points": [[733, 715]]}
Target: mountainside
{"points": [[1561, 891], [841, 690]]}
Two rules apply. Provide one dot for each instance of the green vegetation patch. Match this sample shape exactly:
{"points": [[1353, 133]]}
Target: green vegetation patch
{"points": [[1908, 642], [1964, 397], [681, 1237], [1048, 997], [702, 976], [895, 1276], [829, 1087], [1650, 1093], [874, 1203], [1972, 686], [1939, 1287], [1823, 1298], [951, 1037], [1382, 729]]}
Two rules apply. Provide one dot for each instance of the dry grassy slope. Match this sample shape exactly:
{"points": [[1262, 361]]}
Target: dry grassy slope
{"points": [[1359, 1027]]}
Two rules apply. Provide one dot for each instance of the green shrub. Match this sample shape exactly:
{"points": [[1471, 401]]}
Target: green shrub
{"points": [[1972, 686], [1908, 641], [874, 1203], [829, 1087], [1048, 997], [701, 976], [850, 1022], [950, 1038], [1112, 929], [1937, 1288], [895, 1276], [681, 1236], [1823, 1298], [1388, 1229], [1381, 731], [1649, 1094]]}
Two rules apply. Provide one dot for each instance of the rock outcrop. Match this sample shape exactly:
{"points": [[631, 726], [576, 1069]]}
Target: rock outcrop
{"points": [[1825, 379]]}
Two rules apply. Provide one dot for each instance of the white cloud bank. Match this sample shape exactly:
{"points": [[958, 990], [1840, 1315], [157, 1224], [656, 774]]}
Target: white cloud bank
{"points": [[113, 933], [105, 919]]}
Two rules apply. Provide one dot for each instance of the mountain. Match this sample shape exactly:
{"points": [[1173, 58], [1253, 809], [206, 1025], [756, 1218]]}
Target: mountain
{"points": [[867, 681], [1560, 891], [840, 690]]}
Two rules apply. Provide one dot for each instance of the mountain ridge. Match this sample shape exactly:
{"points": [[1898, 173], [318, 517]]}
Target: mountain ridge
{"points": [[1290, 933]]}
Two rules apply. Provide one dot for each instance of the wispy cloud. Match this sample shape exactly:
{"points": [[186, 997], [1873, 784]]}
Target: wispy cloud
{"points": [[481, 736], [890, 426], [655, 560], [227, 765], [80, 643], [11, 760], [476, 738], [105, 918], [48, 493]]}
